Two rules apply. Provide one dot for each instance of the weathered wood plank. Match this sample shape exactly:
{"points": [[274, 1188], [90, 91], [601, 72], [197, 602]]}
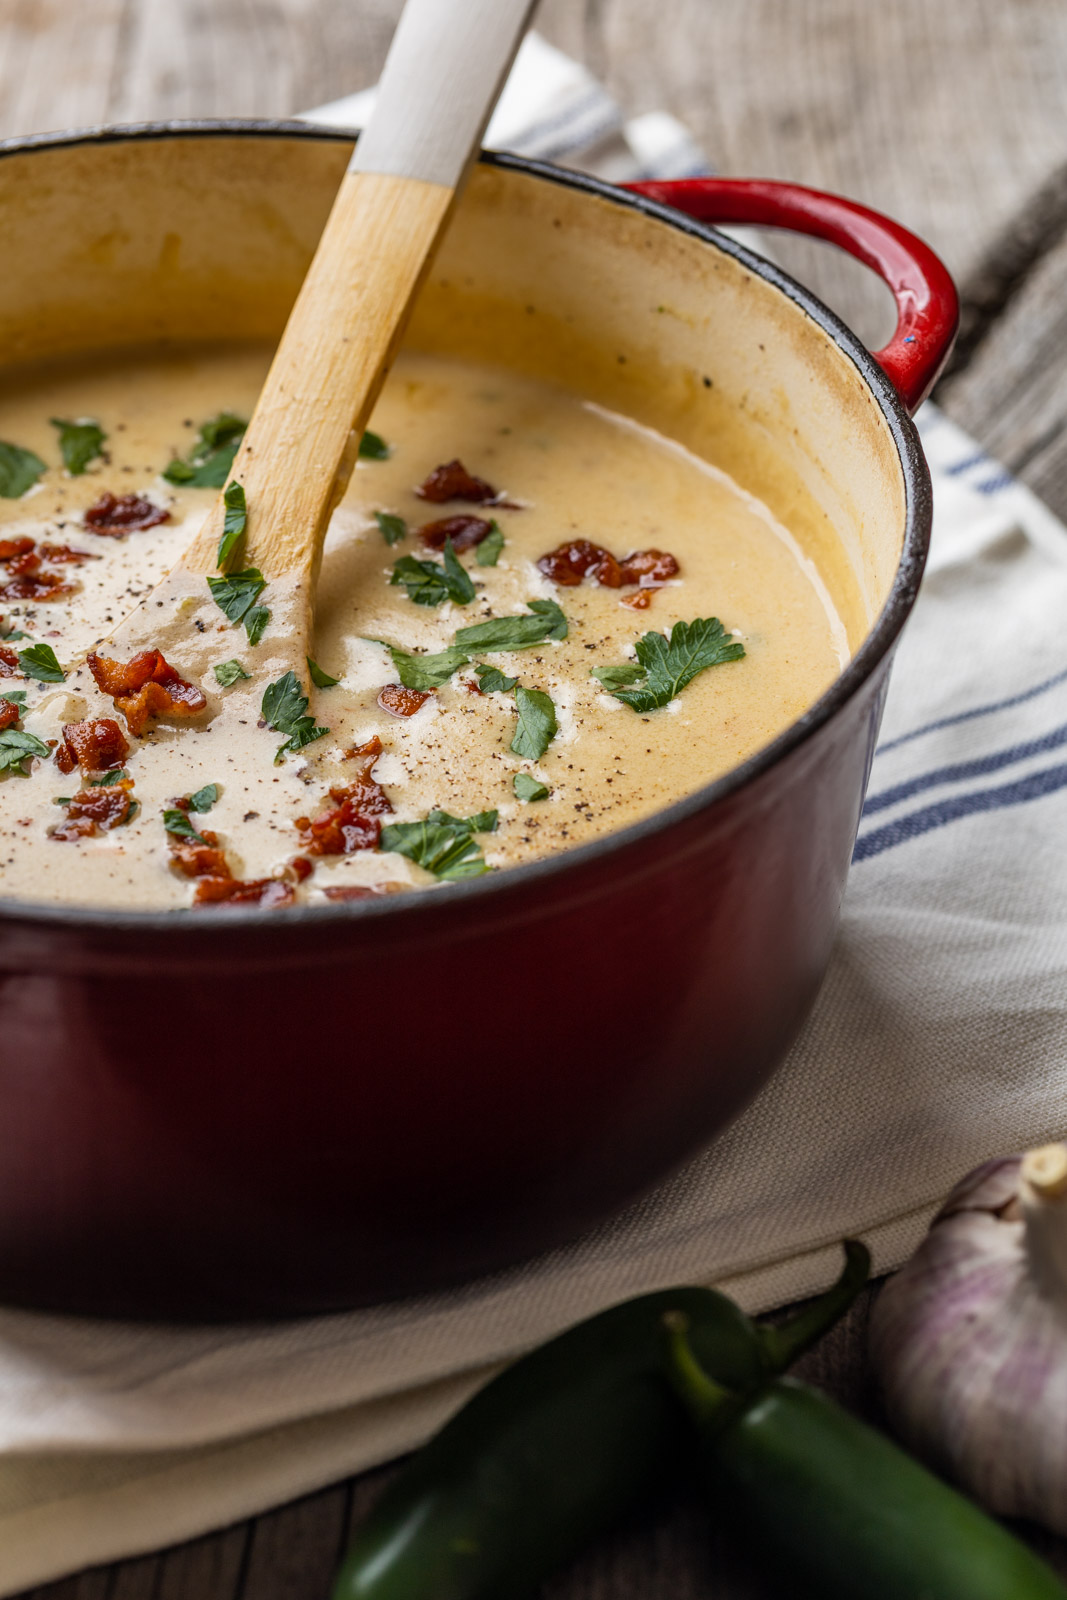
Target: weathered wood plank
{"points": [[1012, 394]]}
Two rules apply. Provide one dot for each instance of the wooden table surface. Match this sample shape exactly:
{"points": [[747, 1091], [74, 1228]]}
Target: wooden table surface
{"points": [[948, 116]]}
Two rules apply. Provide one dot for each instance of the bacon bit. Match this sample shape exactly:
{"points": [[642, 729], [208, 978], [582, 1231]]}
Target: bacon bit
{"points": [[29, 561], [93, 811], [402, 702], [147, 686], [465, 533], [9, 714], [95, 746], [65, 553], [117, 515], [301, 868], [354, 820], [271, 892], [649, 568], [9, 662], [36, 586], [569, 563], [452, 481], [360, 891], [198, 860], [10, 549]]}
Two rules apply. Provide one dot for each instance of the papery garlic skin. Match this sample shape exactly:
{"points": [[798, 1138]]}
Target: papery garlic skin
{"points": [[969, 1340]]}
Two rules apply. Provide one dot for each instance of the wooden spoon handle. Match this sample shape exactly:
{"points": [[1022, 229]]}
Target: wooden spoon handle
{"points": [[447, 63]]}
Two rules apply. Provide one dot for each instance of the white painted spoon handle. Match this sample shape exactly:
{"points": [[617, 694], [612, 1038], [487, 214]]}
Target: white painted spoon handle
{"points": [[444, 74]]}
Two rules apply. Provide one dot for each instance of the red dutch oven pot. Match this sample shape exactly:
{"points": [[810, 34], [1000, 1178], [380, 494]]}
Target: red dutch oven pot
{"points": [[219, 1114]]}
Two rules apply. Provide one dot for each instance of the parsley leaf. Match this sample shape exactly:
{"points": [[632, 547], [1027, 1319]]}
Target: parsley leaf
{"points": [[491, 679], [17, 747], [284, 707], [177, 822], [428, 584], [79, 443], [39, 661], [391, 527], [235, 596], [442, 844], [537, 724], [17, 697], [234, 522], [372, 447], [426, 672], [487, 553], [109, 779], [19, 470], [320, 679], [14, 633], [544, 621], [255, 623], [667, 665], [529, 788], [209, 461], [619, 677], [204, 798], [229, 672]]}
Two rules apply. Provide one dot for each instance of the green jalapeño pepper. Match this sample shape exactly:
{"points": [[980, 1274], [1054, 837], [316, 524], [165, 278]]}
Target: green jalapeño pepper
{"points": [[838, 1509], [556, 1448]]}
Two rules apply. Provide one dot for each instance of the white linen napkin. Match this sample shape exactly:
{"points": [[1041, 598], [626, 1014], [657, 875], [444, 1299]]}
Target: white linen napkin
{"points": [[939, 1039]]}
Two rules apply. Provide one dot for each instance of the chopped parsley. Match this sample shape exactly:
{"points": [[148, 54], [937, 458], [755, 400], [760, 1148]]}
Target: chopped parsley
{"points": [[229, 672], [204, 798], [372, 447], [443, 845], [234, 522], [236, 594], [537, 724], [428, 584], [14, 633], [529, 788], [544, 621], [391, 527], [39, 661], [208, 463], [491, 679], [664, 666], [79, 443], [17, 747], [177, 822], [19, 470], [426, 672], [320, 679], [17, 697], [488, 552], [284, 709], [109, 779]]}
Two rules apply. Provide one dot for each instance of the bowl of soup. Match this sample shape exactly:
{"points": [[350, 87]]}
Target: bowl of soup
{"points": [[424, 961]]}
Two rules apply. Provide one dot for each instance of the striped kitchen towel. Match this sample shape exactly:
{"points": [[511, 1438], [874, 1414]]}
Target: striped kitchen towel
{"points": [[940, 1038]]}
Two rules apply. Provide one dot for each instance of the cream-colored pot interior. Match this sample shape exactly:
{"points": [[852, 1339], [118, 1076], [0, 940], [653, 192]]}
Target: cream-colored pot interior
{"points": [[191, 236]]}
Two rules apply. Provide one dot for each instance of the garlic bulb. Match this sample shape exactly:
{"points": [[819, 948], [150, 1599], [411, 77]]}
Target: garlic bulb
{"points": [[970, 1338]]}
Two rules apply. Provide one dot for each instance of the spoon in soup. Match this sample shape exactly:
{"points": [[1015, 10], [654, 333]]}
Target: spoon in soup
{"points": [[257, 555]]}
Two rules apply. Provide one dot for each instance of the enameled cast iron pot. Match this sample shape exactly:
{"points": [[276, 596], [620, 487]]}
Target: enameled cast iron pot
{"points": [[258, 1112]]}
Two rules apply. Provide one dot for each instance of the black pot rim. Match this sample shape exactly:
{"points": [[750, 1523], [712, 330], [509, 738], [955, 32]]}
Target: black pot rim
{"points": [[876, 645]]}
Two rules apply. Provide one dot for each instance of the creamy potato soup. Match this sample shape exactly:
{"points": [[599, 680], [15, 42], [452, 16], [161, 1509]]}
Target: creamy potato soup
{"points": [[536, 622]]}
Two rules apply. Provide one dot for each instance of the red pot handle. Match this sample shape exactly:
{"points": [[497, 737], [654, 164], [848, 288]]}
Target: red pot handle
{"points": [[927, 303]]}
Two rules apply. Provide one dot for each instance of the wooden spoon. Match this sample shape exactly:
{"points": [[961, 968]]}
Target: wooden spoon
{"points": [[445, 70]]}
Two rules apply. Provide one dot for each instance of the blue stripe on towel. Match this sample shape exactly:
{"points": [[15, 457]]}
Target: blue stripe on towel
{"points": [[916, 823], [965, 769], [978, 711]]}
